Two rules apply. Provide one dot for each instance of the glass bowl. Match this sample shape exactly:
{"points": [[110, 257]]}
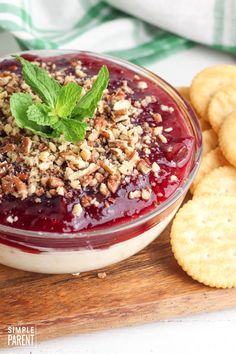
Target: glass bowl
{"points": [[83, 251]]}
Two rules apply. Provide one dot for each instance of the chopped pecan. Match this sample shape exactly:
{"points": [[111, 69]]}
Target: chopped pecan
{"points": [[39, 191], [120, 94], [117, 152], [44, 180], [86, 201], [73, 160], [107, 134], [118, 144], [75, 184], [113, 182], [126, 168], [103, 189], [162, 138], [155, 167], [86, 180], [134, 158], [121, 107], [120, 118], [26, 144], [54, 182], [86, 154], [99, 177], [23, 176], [129, 152], [142, 85], [146, 194], [143, 167], [42, 147], [87, 171], [134, 194], [157, 117], [107, 166], [101, 275], [4, 80], [100, 123], [157, 130], [106, 204], [90, 169], [3, 169], [44, 156], [77, 209], [9, 147], [61, 191], [14, 186], [93, 135], [148, 99], [69, 156]]}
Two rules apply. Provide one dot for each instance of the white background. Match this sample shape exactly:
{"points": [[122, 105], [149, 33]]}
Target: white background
{"points": [[206, 333]]}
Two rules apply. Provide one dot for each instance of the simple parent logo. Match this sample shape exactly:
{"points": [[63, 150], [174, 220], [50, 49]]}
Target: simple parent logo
{"points": [[21, 335]]}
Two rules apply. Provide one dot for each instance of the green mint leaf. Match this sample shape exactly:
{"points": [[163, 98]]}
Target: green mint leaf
{"points": [[41, 114], [62, 110], [19, 104], [88, 103], [73, 130], [68, 97], [39, 80]]}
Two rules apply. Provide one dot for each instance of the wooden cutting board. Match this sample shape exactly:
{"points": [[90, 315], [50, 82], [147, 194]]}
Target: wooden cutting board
{"points": [[149, 286]]}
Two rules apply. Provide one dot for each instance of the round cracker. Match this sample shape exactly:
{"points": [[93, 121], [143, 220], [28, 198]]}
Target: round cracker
{"points": [[203, 239], [208, 82], [227, 138], [210, 141], [221, 181], [210, 161], [184, 91], [221, 105]]}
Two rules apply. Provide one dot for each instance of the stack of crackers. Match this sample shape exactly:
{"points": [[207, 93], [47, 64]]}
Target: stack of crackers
{"points": [[203, 235]]}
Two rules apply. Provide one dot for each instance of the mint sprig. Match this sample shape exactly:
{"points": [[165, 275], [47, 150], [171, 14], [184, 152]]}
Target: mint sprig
{"points": [[63, 110], [20, 103]]}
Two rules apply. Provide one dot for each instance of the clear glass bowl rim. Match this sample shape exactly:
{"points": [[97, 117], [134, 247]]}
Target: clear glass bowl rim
{"points": [[163, 206]]}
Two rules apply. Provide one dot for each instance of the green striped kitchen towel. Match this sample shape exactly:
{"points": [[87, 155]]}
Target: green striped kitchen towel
{"points": [[138, 30]]}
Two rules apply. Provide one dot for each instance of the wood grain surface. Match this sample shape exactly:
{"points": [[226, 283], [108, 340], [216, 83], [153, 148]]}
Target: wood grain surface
{"points": [[149, 286]]}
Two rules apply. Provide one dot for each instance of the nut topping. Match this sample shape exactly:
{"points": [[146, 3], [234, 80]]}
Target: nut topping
{"points": [[143, 167], [13, 185], [104, 190], [54, 182], [121, 107], [77, 209], [26, 144], [3, 169], [113, 183], [117, 151]]}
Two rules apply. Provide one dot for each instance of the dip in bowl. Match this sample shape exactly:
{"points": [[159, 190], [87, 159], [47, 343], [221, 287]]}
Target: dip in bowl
{"points": [[70, 207]]}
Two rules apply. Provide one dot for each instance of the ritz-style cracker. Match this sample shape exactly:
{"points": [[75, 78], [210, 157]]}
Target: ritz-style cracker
{"points": [[207, 82], [221, 181], [203, 240], [221, 105]]}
